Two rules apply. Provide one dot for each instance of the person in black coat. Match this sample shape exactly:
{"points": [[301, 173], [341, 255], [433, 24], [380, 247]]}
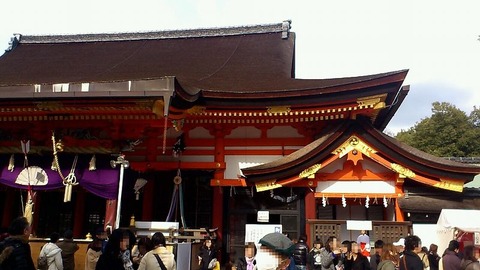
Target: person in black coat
{"points": [[410, 259], [433, 257], [207, 253], [15, 251], [300, 253], [355, 260], [116, 255]]}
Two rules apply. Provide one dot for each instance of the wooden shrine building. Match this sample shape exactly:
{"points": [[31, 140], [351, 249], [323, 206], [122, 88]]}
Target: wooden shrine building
{"points": [[221, 109]]}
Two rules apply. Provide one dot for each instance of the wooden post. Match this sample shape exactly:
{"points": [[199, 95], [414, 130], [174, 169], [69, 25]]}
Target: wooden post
{"points": [[79, 214], [147, 203], [217, 215], [399, 215], [7, 215], [310, 213]]}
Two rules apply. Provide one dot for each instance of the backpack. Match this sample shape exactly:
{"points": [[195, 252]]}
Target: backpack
{"points": [[42, 262]]}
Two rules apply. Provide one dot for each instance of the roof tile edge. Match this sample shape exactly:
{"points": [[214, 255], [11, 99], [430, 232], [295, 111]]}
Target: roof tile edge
{"points": [[283, 28]]}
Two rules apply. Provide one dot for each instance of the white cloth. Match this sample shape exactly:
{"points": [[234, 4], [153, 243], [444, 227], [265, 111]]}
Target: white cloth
{"points": [[54, 256]]}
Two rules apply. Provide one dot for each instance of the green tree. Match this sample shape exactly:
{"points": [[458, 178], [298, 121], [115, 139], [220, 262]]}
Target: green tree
{"points": [[449, 132]]}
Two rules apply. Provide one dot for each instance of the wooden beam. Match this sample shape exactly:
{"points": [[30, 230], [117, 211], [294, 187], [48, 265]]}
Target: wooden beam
{"points": [[228, 182], [357, 195], [166, 166]]}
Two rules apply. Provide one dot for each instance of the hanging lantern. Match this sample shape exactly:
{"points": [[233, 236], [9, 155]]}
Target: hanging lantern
{"points": [[344, 201]]}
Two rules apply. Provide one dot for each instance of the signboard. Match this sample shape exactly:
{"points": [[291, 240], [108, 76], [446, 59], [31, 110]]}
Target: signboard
{"points": [[476, 238], [255, 232], [359, 225], [263, 216]]}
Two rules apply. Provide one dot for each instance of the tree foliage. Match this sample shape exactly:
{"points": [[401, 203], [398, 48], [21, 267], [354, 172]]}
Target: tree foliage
{"points": [[449, 132]]}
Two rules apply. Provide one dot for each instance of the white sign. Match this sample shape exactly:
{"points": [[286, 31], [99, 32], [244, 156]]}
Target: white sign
{"points": [[359, 225], [263, 216], [476, 238], [255, 232]]}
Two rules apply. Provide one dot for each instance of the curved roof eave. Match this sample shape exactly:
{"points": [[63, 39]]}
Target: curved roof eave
{"points": [[318, 150]]}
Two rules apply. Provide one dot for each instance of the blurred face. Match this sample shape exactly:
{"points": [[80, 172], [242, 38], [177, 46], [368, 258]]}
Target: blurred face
{"points": [[208, 243], [334, 243], [354, 247], [267, 259], [343, 248], [249, 252], [124, 244], [399, 248], [317, 246]]}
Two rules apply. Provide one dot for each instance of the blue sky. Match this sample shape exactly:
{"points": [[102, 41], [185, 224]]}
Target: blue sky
{"points": [[435, 40]]}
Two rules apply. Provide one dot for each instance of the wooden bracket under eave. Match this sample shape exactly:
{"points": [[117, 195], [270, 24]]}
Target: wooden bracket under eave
{"points": [[228, 182]]}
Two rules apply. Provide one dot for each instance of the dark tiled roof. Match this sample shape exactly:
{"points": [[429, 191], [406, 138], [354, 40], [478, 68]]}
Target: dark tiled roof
{"points": [[155, 35], [467, 160], [221, 67]]}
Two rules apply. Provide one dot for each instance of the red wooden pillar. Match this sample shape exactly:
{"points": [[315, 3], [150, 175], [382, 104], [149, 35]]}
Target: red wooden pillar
{"points": [[399, 216], [147, 203], [310, 213], [79, 214], [217, 217], [7, 215]]}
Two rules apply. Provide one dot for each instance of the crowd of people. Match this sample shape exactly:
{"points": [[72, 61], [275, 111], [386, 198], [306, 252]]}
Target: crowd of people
{"points": [[118, 250], [405, 254], [121, 249]]}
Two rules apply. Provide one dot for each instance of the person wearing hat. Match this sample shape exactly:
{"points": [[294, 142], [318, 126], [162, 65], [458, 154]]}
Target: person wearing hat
{"points": [[275, 252], [400, 246]]}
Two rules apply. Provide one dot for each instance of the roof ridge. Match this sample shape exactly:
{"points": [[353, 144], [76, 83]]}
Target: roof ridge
{"points": [[283, 27]]}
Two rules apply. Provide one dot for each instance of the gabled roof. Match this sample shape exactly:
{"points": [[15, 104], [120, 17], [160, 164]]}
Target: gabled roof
{"points": [[419, 164], [242, 67]]}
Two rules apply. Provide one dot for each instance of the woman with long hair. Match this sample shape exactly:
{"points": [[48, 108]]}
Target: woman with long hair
{"points": [[116, 255], [388, 258], [207, 254]]}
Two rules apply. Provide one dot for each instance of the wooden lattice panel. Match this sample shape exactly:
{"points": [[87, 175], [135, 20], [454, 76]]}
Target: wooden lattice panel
{"points": [[323, 231], [390, 233]]}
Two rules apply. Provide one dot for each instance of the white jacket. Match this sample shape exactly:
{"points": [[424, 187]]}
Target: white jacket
{"points": [[54, 256], [149, 261]]}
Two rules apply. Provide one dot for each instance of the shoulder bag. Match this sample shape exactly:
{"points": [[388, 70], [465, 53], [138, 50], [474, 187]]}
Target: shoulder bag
{"points": [[160, 262]]}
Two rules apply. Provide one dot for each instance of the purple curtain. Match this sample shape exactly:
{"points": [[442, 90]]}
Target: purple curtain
{"points": [[102, 182]]}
